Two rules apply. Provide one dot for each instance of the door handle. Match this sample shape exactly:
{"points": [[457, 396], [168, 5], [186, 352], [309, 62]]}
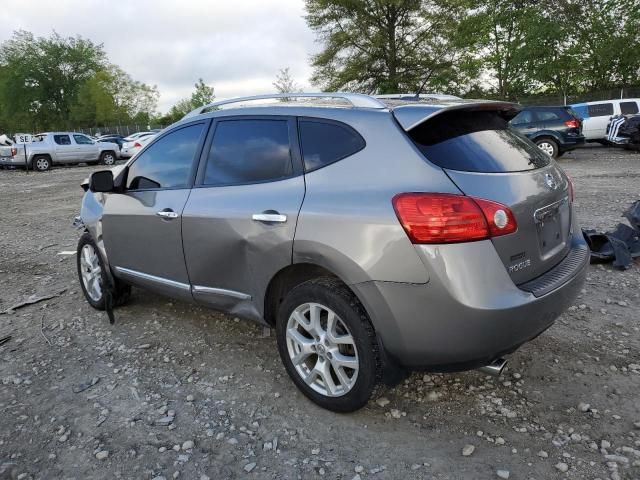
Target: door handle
{"points": [[269, 217], [167, 213]]}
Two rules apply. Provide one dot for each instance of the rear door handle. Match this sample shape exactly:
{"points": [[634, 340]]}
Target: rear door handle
{"points": [[167, 213], [269, 217]]}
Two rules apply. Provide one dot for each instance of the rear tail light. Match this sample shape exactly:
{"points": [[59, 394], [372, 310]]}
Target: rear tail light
{"points": [[450, 218], [573, 123], [137, 145], [14, 151]]}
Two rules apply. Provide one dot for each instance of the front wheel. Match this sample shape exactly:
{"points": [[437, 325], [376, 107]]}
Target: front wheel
{"points": [[548, 146], [108, 158], [328, 346], [93, 277]]}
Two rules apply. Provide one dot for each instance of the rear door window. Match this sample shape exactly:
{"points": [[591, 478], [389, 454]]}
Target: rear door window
{"points": [[600, 109], [628, 108], [82, 140], [249, 151], [325, 142], [547, 116], [525, 116], [62, 139], [476, 142]]}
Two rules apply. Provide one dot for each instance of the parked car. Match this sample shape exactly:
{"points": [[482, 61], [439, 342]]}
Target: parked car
{"points": [[555, 130], [135, 136], [624, 130], [129, 149], [374, 239], [53, 148], [596, 115], [119, 139]]}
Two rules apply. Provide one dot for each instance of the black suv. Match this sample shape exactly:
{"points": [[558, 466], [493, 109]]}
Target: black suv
{"points": [[555, 130]]}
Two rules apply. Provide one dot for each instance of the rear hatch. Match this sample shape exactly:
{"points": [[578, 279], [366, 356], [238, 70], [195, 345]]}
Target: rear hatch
{"points": [[485, 159]]}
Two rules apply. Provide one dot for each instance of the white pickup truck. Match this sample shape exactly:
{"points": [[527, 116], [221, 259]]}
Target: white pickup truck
{"points": [[52, 148]]}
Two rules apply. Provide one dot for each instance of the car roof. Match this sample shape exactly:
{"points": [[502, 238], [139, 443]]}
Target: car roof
{"points": [[409, 110]]}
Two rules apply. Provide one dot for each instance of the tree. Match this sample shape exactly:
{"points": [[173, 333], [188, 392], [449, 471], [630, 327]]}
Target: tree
{"points": [[385, 46], [42, 76], [285, 83], [202, 95]]}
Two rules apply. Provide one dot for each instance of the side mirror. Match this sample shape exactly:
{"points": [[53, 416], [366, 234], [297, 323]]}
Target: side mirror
{"points": [[101, 181]]}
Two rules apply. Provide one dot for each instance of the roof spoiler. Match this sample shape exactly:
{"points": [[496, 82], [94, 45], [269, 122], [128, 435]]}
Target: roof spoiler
{"points": [[410, 116]]}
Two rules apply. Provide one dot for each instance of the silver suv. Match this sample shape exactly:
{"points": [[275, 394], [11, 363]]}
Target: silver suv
{"points": [[377, 236]]}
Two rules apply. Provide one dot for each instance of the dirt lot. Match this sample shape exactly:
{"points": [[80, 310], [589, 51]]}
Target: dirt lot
{"points": [[189, 393]]}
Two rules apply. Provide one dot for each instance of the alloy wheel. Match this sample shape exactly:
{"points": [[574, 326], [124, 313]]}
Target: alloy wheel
{"points": [[42, 164], [322, 349], [546, 147], [108, 159], [91, 272]]}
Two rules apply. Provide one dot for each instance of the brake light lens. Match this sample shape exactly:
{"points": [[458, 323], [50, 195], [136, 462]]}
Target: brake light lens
{"points": [[573, 123], [14, 151], [137, 145], [450, 218]]}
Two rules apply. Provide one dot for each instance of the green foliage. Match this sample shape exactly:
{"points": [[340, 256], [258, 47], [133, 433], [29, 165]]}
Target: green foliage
{"points": [[498, 48], [285, 83], [60, 82], [202, 95]]}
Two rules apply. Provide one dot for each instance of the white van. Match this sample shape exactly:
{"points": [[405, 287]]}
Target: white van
{"points": [[596, 115]]}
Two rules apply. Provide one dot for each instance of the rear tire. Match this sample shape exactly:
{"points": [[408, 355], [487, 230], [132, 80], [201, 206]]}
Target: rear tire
{"points": [[93, 277], [41, 163], [548, 146], [328, 345]]}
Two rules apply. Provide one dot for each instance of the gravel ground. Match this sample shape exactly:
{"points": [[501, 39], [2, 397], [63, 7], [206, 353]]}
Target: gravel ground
{"points": [[175, 391]]}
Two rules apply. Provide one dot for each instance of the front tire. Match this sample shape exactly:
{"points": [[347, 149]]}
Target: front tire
{"points": [[548, 146], [328, 345], [41, 163], [93, 277], [108, 158]]}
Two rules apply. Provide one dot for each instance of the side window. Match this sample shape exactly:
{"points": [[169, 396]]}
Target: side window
{"points": [[167, 163], [249, 151], [524, 116], [326, 142], [601, 110], [547, 116], [628, 108], [82, 140], [62, 139]]}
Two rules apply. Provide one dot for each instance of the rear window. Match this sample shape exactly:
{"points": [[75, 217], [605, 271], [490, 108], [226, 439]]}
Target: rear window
{"points": [[551, 115], [628, 108], [476, 142]]}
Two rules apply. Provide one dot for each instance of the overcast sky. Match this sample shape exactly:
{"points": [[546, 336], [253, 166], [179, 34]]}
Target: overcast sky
{"points": [[235, 46]]}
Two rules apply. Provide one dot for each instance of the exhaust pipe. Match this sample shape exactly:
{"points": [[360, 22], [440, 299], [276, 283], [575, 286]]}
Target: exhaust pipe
{"points": [[494, 368]]}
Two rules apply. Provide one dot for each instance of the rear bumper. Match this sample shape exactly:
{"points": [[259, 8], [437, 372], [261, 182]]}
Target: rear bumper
{"points": [[569, 142], [469, 313], [12, 161]]}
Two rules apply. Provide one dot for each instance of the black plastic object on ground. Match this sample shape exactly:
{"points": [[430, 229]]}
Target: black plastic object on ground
{"points": [[621, 245]]}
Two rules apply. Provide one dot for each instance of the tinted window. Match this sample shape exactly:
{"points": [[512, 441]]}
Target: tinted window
{"points": [[82, 140], [524, 116], [249, 151], [547, 115], [628, 108], [167, 163], [476, 142], [600, 109], [324, 143], [62, 139]]}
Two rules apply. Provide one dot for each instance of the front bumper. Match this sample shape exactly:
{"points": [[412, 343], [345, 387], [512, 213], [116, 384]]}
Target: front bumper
{"points": [[470, 311]]}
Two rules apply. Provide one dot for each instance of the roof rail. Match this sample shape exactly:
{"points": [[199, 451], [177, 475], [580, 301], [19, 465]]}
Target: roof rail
{"points": [[436, 96], [357, 100]]}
